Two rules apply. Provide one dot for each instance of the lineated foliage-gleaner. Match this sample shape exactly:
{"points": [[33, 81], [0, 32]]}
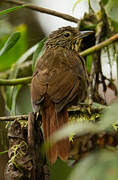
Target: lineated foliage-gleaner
{"points": [[60, 77]]}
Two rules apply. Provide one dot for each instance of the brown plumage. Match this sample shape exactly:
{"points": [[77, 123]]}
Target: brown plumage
{"points": [[60, 76]]}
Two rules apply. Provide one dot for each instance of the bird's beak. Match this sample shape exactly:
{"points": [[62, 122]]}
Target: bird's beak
{"points": [[83, 34], [79, 37]]}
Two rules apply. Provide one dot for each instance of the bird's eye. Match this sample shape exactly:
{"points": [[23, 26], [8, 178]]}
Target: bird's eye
{"points": [[67, 34]]}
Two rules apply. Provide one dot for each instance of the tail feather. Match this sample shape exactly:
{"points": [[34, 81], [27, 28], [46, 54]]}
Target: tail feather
{"points": [[52, 121], [63, 145]]}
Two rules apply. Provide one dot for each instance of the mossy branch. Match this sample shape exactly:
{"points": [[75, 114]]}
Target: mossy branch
{"points": [[82, 108], [12, 118]]}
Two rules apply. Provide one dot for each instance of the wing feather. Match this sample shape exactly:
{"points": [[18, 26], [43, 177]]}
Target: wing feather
{"points": [[59, 72]]}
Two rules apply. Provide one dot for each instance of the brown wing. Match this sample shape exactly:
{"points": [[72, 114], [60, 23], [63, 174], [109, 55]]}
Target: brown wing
{"points": [[59, 74]]}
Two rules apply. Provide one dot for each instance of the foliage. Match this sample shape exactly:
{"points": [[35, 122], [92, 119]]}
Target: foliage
{"points": [[111, 9], [10, 43], [15, 49], [99, 165]]}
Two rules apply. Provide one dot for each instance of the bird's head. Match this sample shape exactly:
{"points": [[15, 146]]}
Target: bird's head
{"points": [[66, 37]]}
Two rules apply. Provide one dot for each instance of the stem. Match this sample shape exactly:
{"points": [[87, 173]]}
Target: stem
{"points": [[10, 82], [99, 46], [44, 10]]}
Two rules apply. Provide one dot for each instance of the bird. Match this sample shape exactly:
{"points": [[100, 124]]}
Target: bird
{"points": [[60, 77]]}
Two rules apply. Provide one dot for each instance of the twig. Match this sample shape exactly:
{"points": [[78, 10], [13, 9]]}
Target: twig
{"points": [[11, 82], [99, 46], [12, 118], [44, 10]]}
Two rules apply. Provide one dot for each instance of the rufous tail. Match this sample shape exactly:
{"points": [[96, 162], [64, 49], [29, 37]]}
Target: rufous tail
{"points": [[52, 121]]}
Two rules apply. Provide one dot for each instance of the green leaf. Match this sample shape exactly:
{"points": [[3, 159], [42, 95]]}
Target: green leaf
{"points": [[38, 52], [98, 166], [3, 152], [14, 53], [112, 9], [76, 3], [6, 11], [15, 92], [28, 53], [79, 128], [12, 40], [60, 166]]}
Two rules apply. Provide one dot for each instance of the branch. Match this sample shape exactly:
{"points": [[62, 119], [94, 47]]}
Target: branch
{"points": [[12, 118], [99, 46], [82, 108], [11, 82], [44, 10]]}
